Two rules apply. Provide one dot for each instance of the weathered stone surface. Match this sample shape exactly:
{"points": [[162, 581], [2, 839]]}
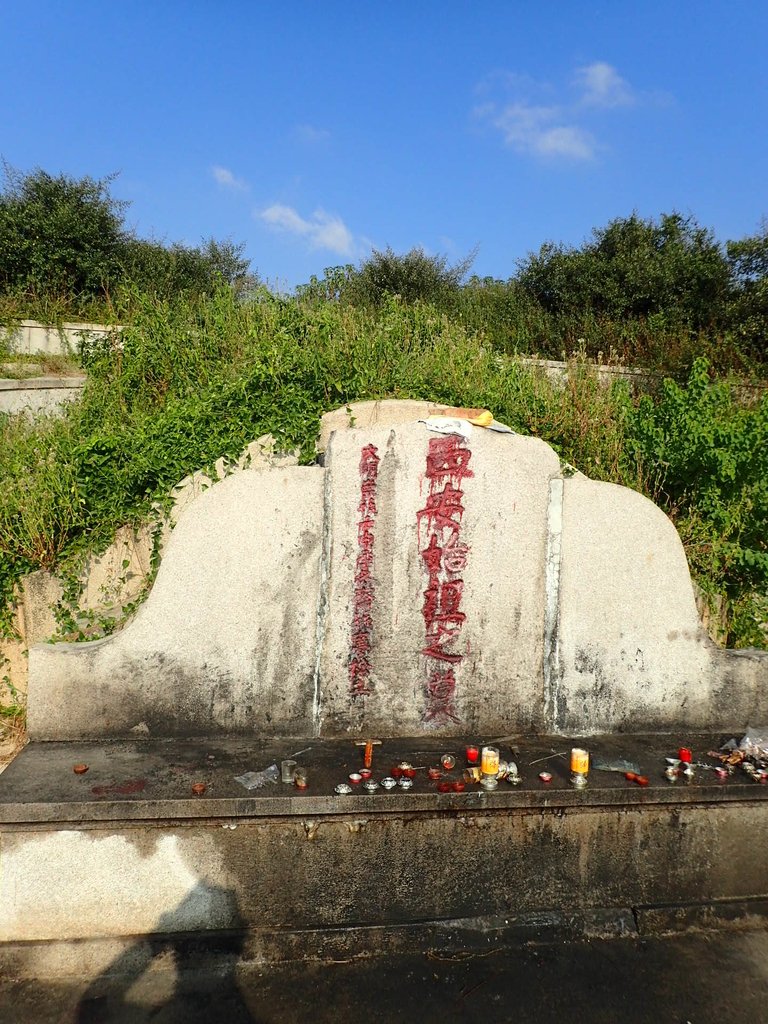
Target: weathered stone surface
{"points": [[258, 455], [488, 621], [109, 585], [386, 412], [632, 650], [97, 856], [318, 874], [226, 640], [40, 592]]}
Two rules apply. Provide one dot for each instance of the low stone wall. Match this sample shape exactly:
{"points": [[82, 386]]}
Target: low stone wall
{"points": [[136, 853], [640, 380], [30, 337], [39, 394]]}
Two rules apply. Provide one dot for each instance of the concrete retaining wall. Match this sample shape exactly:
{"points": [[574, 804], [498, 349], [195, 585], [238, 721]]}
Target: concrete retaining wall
{"points": [[31, 337], [39, 394]]}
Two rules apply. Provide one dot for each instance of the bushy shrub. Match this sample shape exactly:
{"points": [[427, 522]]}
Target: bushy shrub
{"points": [[634, 268], [58, 235], [414, 276], [703, 456]]}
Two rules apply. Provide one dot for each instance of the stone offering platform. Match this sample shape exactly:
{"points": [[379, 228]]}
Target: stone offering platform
{"points": [[126, 850]]}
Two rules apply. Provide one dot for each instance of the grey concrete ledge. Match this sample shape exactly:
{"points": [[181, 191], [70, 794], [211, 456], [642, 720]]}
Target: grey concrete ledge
{"points": [[151, 780], [41, 383], [33, 395]]}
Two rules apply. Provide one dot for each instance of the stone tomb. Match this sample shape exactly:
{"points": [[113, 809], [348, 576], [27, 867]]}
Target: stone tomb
{"points": [[419, 587], [416, 583]]}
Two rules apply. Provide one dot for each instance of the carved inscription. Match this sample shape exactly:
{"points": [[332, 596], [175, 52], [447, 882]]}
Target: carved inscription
{"points": [[444, 556], [362, 621]]}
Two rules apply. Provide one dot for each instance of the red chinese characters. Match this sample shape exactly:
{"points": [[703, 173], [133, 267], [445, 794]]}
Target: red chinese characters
{"points": [[444, 557], [362, 621]]}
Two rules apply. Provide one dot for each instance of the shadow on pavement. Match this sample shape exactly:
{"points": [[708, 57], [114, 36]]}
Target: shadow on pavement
{"points": [[171, 977]]}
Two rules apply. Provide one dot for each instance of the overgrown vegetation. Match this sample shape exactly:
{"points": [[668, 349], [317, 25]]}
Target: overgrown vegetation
{"points": [[656, 294], [197, 379], [207, 361]]}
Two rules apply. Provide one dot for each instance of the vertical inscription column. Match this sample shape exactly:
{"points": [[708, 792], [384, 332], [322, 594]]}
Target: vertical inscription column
{"points": [[361, 638], [444, 556]]}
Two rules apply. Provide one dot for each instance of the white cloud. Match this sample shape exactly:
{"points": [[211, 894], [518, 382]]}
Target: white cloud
{"points": [[321, 231], [227, 179], [543, 131], [603, 86], [309, 133], [537, 119]]}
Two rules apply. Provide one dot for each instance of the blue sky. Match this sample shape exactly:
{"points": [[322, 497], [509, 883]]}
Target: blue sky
{"points": [[313, 131]]}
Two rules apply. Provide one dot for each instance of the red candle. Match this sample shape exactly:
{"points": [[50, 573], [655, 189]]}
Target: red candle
{"points": [[458, 787], [435, 773], [444, 787], [685, 755], [472, 754], [409, 773], [396, 772]]}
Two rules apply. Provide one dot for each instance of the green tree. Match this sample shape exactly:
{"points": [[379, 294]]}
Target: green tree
{"points": [[635, 268], [168, 270], [64, 238], [414, 276], [58, 234], [329, 288], [748, 311]]}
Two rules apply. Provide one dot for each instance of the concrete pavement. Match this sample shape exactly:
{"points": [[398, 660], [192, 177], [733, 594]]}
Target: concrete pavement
{"points": [[692, 978]]}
